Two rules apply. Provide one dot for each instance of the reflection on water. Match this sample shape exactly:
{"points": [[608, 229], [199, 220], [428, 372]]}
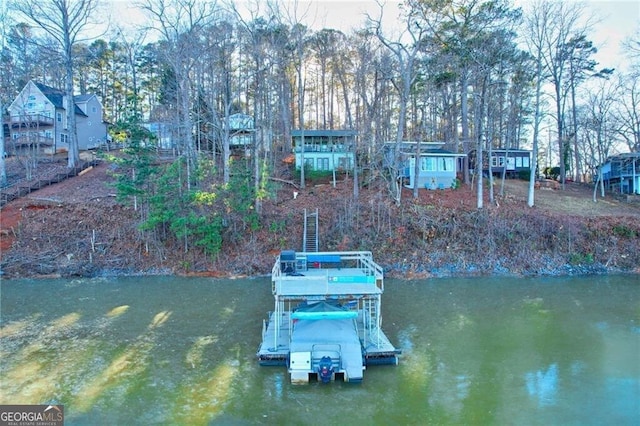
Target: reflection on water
{"points": [[182, 351], [543, 385]]}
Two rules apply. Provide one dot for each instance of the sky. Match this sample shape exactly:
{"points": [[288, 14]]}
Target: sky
{"points": [[618, 19]]}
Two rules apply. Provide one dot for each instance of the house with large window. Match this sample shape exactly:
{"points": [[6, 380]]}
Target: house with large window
{"points": [[37, 120], [509, 161], [437, 167], [324, 149], [621, 173]]}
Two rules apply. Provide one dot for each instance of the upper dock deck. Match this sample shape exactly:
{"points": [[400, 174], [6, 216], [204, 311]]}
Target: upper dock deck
{"points": [[326, 274]]}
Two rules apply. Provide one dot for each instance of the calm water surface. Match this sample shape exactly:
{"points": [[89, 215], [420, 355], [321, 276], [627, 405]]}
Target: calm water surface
{"points": [[182, 351]]}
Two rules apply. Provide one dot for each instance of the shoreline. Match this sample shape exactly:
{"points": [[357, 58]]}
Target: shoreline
{"points": [[566, 270], [75, 228]]}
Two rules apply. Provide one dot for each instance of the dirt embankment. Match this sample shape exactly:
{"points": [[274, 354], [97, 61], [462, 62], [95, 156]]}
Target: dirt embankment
{"points": [[76, 228]]}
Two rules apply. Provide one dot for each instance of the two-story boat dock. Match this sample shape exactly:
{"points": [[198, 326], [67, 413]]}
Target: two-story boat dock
{"points": [[326, 322]]}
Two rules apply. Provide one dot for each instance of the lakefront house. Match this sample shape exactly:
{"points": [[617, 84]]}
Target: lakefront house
{"points": [[37, 120], [437, 167], [326, 150], [621, 173]]}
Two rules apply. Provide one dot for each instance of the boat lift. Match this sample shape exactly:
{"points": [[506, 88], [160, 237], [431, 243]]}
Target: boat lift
{"points": [[326, 321]]}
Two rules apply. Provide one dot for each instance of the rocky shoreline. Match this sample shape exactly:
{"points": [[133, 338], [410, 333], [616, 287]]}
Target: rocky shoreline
{"points": [[397, 271]]}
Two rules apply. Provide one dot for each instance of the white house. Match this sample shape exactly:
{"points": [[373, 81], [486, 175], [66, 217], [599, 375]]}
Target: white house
{"points": [[38, 120]]}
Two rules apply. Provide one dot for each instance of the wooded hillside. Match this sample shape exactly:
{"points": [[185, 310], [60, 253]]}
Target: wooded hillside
{"points": [[188, 196], [76, 228]]}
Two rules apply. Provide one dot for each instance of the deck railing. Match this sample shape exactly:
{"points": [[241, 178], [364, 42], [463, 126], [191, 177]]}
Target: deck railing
{"points": [[362, 260], [29, 120], [32, 139]]}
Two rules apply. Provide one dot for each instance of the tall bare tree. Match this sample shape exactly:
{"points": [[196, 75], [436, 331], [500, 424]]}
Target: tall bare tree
{"points": [[566, 22], [293, 16], [66, 21], [180, 23], [406, 54], [596, 123], [628, 106], [536, 22], [372, 63], [5, 94]]}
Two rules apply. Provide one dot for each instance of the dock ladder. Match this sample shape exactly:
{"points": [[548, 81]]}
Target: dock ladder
{"points": [[372, 320], [310, 233]]}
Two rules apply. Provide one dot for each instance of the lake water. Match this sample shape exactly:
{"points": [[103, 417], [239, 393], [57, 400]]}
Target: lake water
{"points": [[170, 350]]}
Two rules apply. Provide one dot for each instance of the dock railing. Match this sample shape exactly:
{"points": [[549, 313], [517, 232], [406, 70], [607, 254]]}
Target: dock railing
{"points": [[324, 262]]}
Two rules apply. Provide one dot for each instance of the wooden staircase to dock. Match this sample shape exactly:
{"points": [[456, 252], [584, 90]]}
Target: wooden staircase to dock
{"points": [[25, 187], [310, 233]]}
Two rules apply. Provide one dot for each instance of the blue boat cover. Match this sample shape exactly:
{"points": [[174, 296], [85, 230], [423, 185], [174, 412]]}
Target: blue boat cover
{"points": [[323, 315]]}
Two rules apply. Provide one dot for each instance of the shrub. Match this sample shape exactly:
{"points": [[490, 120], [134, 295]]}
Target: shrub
{"points": [[551, 172], [524, 175], [624, 231], [312, 176], [581, 259]]}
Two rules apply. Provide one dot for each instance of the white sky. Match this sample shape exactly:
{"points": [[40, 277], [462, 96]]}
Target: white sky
{"points": [[618, 19]]}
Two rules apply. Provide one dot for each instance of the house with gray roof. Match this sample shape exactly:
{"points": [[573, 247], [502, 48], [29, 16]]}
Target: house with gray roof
{"points": [[38, 120], [437, 167]]}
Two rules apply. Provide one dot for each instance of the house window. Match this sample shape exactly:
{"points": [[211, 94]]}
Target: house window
{"points": [[64, 138], [428, 164], [308, 163], [497, 161], [59, 117], [446, 164], [323, 164], [525, 162], [94, 110]]}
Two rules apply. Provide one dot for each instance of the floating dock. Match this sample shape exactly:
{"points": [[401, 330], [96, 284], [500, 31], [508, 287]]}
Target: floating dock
{"points": [[326, 322]]}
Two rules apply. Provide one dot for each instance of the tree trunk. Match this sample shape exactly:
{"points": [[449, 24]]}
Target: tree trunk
{"points": [[416, 171], [3, 167], [301, 117], [479, 148], [464, 107], [73, 158]]}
